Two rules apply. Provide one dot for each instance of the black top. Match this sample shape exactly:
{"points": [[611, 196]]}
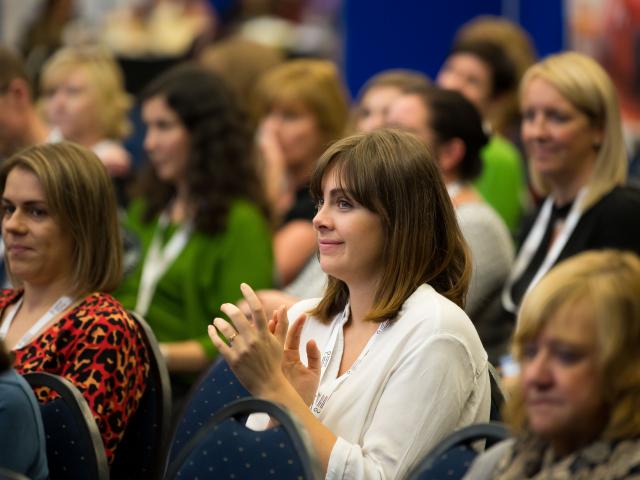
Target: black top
{"points": [[303, 207], [613, 222], [521, 285]]}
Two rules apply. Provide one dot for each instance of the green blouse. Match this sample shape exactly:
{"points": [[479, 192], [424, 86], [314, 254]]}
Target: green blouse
{"points": [[502, 181], [206, 274]]}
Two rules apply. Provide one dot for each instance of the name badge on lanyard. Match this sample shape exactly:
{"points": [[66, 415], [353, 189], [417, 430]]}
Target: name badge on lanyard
{"points": [[323, 395], [159, 259]]}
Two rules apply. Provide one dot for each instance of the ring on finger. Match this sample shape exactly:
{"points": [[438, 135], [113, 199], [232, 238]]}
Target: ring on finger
{"points": [[232, 338]]}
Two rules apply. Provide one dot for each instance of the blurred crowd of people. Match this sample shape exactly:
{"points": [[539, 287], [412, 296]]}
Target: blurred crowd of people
{"points": [[157, 154]]}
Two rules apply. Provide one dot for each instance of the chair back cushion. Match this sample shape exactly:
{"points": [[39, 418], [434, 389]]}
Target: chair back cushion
{"points": [[226, 449], [450, 465], [451, 458], [141, 452], [230, 450], [74, 446], [216, 389]]}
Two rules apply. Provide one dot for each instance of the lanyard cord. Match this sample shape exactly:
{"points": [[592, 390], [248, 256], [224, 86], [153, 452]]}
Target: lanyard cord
{"points": [[58, 307], [159, 259], [322, 396], [533, 241]]}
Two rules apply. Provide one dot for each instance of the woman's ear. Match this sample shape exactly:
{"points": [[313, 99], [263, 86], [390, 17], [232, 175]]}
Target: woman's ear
{"points": [[18, 92], [598, 137], [450, 155]]}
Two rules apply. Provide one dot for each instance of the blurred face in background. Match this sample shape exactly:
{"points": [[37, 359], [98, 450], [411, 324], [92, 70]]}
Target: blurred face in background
{"points": [[167, 140], [72, 105], [469, 75], [374, 107], [409, 113], [295, 131], [7, 128], [562, 381], [560, 140]]}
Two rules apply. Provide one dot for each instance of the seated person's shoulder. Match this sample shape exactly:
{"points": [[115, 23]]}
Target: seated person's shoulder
{"points": [[103, 308], [486, 464], [503, 151], [136, 209], [428, 314], [7, 296], [622, 195], [621, 204], [13, 391], [243, 213], [303, 306], [101, 312]]}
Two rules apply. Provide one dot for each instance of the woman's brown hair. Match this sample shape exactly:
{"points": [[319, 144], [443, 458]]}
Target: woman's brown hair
{"points": [[394, 175], [220, 168], [80, 195]]}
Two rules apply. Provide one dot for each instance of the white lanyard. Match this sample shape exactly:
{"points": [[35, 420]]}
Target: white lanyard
{"points": [[323, 396], [159, 259], [533, 241], [59, 306]]}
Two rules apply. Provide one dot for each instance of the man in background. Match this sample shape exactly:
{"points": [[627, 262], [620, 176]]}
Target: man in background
{"points": [[20, 124]]}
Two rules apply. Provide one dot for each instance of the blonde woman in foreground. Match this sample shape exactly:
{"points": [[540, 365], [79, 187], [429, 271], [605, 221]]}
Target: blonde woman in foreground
{"points": [[575, 411]]}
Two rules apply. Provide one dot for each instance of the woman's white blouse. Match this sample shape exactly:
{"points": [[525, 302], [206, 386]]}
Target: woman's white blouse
{"points": [[424, 377]]}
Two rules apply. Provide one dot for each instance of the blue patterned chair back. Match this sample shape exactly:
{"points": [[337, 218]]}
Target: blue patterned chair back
{"points": [[452, 457], [141, 452], [226, 449], [74, 446], [217, 388]]}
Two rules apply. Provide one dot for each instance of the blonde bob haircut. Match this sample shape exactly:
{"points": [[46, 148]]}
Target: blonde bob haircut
{"points": [[315, 84], [80, 197], [393, 174], [585, 84], [608, 282], [105, 81]]}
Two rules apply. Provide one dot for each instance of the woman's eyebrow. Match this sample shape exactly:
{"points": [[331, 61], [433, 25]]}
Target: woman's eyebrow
{"points": [[336, 192], [28, 203]]}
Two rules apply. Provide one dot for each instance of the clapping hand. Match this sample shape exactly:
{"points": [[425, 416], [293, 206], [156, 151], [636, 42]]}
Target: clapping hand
{"points": [[305, 379], [252, 351], [262, 353]]}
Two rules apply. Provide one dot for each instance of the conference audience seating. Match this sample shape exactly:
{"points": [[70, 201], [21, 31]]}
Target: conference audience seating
{"points": [[74, 447], [225, 448]]}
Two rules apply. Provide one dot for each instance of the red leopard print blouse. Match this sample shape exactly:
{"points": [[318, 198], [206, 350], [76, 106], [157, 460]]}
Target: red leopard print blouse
{"points": [[97, 347]]}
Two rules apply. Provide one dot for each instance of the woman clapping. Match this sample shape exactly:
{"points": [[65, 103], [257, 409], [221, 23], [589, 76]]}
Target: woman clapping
{"points": [[387, 363]]}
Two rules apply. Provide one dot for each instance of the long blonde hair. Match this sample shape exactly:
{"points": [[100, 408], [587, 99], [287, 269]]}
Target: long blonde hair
{"points": [[585, 84]]}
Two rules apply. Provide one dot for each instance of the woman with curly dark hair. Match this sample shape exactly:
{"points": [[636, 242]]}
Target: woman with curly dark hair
{"points": [[199, 214]]}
